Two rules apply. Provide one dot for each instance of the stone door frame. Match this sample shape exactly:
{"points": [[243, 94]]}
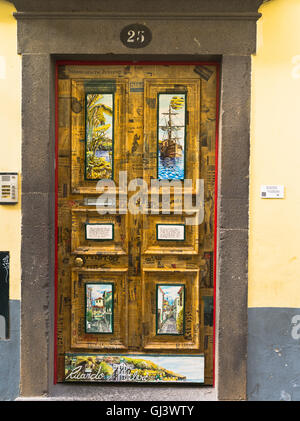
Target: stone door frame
{"points": [[207, 30]]}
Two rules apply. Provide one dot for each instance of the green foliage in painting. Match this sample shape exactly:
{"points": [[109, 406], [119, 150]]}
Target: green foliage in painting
{"points": [[108, 302], [98, 138], [141, 364], [89, 316], [106, 369], [179, 321]]}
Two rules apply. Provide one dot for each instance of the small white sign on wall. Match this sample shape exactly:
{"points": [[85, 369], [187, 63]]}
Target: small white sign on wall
{"points": [[272, 192], [2, 67]]}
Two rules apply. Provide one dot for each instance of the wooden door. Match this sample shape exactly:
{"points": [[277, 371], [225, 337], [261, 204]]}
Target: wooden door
{"points": [[135, 279]]}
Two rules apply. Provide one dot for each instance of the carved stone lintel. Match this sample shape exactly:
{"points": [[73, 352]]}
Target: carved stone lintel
{"points": [[140, 7], [204, 27]]}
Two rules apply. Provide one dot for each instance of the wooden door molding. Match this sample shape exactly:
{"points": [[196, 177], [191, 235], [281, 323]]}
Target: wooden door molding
{"points": [[148, 102]]}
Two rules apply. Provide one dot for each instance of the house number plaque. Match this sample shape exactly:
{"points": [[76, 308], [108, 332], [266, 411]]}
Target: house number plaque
{"points": [[136, 36]]}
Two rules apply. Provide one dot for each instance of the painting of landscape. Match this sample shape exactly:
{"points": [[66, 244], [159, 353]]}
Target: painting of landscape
{"points": [[99, 136], [170, 309], [99, 308], [134, 368], [171, 136]]}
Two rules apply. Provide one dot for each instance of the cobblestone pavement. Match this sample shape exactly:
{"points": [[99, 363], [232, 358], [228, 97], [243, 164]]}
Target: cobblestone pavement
{"points": [[169, 326]]}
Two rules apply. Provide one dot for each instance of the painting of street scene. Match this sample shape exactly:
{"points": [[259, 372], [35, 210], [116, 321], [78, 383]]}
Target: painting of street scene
{"points": [[99, 308], [171, 136], [99, 136], [134, 368], [170, 309]]}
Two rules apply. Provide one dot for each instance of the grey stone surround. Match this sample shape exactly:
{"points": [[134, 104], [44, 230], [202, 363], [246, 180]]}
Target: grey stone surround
{"points": [[222, 30]]}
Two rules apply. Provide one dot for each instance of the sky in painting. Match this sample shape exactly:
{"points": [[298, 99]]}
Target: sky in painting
{"points": [[98, 290], [171, 292], [179, 119], [107, 99], [191, 367]]}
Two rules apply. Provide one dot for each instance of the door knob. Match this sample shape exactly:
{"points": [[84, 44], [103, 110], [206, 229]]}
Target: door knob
{"points": [[78, 262]]}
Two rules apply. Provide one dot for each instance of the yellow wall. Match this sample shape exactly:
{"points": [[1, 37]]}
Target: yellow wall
{"points": [[10, 139], [274, 252], [274, 249]]}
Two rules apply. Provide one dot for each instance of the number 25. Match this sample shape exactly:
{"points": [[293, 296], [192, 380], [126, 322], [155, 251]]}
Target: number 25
{"points": [[132, 36]]}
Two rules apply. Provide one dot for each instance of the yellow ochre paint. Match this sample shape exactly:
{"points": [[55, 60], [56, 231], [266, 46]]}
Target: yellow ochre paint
{"points": [[10, 140], [274, 248]]}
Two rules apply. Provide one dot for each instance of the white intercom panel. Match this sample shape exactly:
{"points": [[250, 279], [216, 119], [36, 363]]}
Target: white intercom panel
{"points": [[8, 188]]}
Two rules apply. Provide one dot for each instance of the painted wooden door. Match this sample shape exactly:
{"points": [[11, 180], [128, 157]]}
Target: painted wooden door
{"points": [[135, 263]]}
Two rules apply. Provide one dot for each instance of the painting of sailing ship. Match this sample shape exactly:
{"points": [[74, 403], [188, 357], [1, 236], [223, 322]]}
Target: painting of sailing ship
{"points": [[170, 309], [99, 136], [99, 308], [171, 136]]}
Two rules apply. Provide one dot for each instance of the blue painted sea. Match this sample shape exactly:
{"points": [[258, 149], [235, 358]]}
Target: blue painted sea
{"points": [[171, 168]]}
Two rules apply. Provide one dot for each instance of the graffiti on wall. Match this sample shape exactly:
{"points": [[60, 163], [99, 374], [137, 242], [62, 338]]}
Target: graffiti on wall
{"points": [[4, 293]]}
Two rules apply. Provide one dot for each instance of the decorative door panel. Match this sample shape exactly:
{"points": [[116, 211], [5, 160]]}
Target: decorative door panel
{"points": [[172, 104], [135, 247], [176, 326], [107, 329], [96, 234], [98, 113], [169, 234]]}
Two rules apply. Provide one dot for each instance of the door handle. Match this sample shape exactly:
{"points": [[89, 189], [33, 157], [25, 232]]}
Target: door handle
{"points": [[78, 261]]}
